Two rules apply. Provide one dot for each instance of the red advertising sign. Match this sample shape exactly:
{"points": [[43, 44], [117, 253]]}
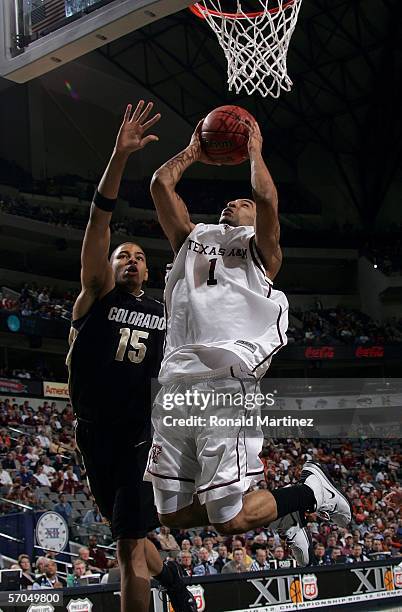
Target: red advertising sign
{"points": [[12, 386], [319, 352], [369, 351]]}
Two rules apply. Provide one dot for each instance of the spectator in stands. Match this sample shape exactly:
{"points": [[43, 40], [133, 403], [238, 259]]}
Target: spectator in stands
{"points": [[64, 508], [320, 556], [167, 541], [332, 543], [357, 555], [97, 554], [261, 562], [378, 553], [42, 440], [9, 462], [84, 555], [347, 547], [50, 578], [48, 469], [40, 566], [92, 516], [31, 458], [25, 475], [5, 478], [71, 483], [58, 482], [205, 567], [41, 477], [222, 559], [237, 564], [27, 578], [185, 563], [279, 553], [79, 570], [368, 543], [186, 547], [336, 555], [209, 545], [237, 545], [260, 541], [197, 545]]}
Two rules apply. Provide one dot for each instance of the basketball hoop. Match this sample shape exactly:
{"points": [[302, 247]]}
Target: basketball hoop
{"points": [[255, 44]]}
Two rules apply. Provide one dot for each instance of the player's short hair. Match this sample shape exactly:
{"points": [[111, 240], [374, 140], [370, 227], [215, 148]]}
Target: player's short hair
{"points": [[120, 245]]}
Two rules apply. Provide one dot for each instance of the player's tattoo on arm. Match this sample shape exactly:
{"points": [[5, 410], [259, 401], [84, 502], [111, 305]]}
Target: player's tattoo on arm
{"points": [[172, 170]]}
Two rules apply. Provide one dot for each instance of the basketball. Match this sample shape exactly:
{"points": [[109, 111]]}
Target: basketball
{"points": [[223, 137]]}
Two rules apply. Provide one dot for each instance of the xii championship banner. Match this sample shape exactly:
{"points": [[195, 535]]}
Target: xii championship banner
{"points": [[374, 584]]}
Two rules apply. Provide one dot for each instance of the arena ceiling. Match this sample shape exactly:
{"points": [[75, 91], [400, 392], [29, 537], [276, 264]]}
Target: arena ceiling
{"points": [[345, 62]]}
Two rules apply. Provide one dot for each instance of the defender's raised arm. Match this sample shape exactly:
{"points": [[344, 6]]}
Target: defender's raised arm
{"points": [[96, 272]]}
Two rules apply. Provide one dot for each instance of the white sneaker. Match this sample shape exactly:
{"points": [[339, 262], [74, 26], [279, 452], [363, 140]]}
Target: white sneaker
{"points": [[331, 505], [298, 538]]}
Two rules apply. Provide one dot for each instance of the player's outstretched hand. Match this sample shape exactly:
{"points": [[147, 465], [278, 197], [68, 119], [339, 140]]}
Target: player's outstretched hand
{"points": [[131, 133], [254, 137], [196, 148]]}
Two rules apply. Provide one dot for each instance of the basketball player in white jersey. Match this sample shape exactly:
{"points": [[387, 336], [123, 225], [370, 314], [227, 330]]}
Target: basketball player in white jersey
{"points": [[225, 321]]}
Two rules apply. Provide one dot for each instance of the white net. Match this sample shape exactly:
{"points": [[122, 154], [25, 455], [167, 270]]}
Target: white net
{"points": [[255, 45]]}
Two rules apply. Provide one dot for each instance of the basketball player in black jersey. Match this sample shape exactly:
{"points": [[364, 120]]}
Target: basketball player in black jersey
{"points": [[116, 344]]}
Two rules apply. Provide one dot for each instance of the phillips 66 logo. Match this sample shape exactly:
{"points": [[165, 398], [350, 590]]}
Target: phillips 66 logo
{"points": [[198, 593], [398, 576], [310, 589]]}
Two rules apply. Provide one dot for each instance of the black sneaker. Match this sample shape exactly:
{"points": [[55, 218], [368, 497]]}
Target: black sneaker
{"points": [[180, 597]]}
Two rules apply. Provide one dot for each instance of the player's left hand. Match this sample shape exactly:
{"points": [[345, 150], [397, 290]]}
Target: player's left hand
{"points": [[131, 133], [254, 137]]}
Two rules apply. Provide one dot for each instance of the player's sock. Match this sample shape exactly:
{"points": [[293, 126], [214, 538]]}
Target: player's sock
{"points": [[167, 577], [290, 499]]}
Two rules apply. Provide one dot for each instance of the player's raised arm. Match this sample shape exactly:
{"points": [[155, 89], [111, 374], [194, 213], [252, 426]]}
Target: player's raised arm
{"points": [[267, 230], [172, 211], [96, 272]]}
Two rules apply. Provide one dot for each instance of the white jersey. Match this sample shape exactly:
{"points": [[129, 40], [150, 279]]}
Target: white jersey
{"points": [[221, 309]]}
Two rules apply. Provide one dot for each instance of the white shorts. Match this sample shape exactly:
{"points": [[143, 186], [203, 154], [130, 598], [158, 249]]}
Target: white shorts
{"points": [[201, 456]]}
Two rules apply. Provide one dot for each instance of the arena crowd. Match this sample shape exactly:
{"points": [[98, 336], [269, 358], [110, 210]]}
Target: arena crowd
{"points": [[313, 326], [39, 467]]}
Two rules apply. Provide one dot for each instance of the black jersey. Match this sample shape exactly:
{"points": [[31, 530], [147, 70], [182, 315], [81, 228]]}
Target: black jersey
{"points": [[115, 351]]}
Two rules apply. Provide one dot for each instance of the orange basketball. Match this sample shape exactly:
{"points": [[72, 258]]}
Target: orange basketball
{"points": [[295, 591], [224, 136]]}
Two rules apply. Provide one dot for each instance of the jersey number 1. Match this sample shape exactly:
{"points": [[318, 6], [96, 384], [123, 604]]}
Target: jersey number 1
{"points": [[211, 278], [138, 354]]}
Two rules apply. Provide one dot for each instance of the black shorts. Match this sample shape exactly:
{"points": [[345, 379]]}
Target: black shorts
{"points": [[115, 464]]}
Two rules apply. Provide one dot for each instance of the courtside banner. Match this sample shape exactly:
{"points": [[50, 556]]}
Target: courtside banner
{"points": [[20, 386], [56, 390], [330, 352], [374, 583]]}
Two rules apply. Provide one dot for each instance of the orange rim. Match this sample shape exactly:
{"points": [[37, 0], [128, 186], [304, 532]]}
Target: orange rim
{"points": [[200, 9]]}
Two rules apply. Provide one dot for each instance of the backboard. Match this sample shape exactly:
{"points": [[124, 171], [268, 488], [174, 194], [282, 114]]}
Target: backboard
{"points": [[37, 36]]}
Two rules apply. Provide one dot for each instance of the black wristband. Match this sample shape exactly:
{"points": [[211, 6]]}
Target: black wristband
{"points": [[103, 203]]}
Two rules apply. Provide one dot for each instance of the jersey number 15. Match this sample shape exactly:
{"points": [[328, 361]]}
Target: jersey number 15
{"points": [[139, 349]]}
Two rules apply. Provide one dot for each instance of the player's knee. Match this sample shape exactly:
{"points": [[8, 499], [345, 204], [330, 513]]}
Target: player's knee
{"points": [[130, 551]]}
